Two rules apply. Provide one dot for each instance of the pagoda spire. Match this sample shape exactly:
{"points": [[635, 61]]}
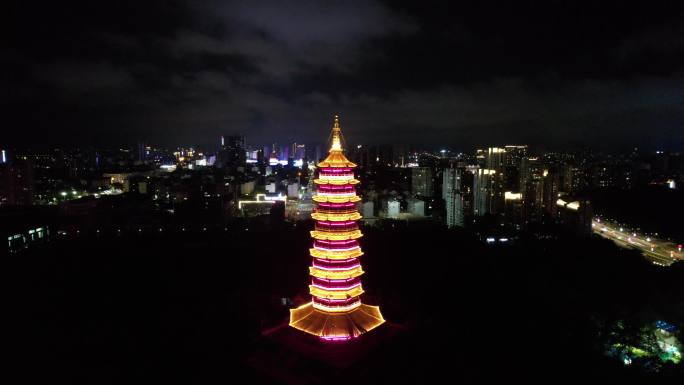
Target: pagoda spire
{"points": [[336, 135], [336, 156]]}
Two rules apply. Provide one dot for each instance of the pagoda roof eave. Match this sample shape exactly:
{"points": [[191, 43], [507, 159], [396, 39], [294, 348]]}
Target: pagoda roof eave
{"points": [[336, 159]]}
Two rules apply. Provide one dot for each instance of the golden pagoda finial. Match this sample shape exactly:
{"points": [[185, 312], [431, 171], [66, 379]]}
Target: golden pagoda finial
{"points": [[336, 135], [336, 156]]}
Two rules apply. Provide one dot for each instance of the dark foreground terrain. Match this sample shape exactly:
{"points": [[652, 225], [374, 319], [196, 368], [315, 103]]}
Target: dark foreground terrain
{"points": [[191, 308]]}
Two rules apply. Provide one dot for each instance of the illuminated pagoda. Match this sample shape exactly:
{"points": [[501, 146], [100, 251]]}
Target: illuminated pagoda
{"points": [[336, 311]]}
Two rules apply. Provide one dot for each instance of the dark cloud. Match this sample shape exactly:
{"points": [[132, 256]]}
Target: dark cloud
{"points": [[425, 73]]}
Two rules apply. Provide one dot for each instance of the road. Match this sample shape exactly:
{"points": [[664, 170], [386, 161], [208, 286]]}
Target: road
{"points": [[658, 251]]}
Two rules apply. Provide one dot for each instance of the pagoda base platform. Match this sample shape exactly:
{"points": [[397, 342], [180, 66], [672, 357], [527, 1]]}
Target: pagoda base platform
{"points": [[290, 356], [336, 326]]}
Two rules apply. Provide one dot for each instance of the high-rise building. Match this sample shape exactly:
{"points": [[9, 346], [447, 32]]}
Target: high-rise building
{"points": [[451, 178], [496, 158], [361, 156], [298, 151], [273, 158], [368, 209], [421, 182], [532, 188], [415, 207], [467, 182], [336, 311], [575, 214], [483, 191], [453, 196], [233, 151], [17, 182], [512, 163], [496, 162], [293, 190], [142, 154], [514, 210], [392, 208], [233, 141], [399, 155], [552, 188], [514, 155]]}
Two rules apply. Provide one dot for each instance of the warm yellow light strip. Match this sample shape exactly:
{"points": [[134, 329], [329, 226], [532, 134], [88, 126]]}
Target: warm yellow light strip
{"points": [[336, 199], [336, 181], [324, 254], [330, 325], [335, 294], [336, 216], [335, 274], [336, 309], [336, 159], [336, 236], [336, 194], [323, 210], [336, 164], [343, 177]]}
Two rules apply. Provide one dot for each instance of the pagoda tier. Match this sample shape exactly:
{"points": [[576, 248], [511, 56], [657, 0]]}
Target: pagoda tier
{"points": [[335, 311]]}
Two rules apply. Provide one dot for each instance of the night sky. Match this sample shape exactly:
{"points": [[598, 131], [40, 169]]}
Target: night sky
{"points": [[546, 73]]}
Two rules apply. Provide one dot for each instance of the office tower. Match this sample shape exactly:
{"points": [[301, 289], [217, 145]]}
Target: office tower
{"points": [[336, 311]]}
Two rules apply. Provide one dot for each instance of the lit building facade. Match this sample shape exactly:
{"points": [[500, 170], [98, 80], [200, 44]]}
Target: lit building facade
{"points": [[336, 311]]}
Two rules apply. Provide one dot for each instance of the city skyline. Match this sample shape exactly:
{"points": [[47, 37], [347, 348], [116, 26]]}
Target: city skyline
{"points": [[212, 145]]}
